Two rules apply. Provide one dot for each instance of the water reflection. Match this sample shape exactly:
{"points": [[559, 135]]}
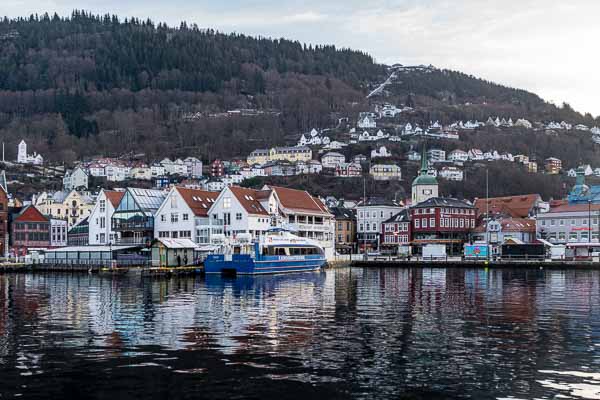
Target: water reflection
{"points": [[348, 333]]}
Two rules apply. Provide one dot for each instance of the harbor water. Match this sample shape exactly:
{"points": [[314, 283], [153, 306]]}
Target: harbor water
{"points": [[409, 333]]}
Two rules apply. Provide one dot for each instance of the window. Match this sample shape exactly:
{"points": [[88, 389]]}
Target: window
{"points": [[424, 223], [174, 217], [185, 234], [585, 222], [553, 222], [238, 216], [175, 235], [585, 237], [102, 222], [227, 202], [186, 217], [561, 222], [102, 206], [163, 218], [432, 222], [360, 227], [573, 222], [562, 236], [462, 223], [417, 223], [573, 237]]}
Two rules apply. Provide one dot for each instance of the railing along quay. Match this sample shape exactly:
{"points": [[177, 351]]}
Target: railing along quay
{"points": [[457, 262]]}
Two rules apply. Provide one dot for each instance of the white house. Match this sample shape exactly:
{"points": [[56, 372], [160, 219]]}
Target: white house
{"points": [[193, 167], [157, 169], [366, 137], [458, 156], [332, 160], [523, 123], [367, 122], [24, 158], [309, 167], [75, 179], [184, 214], [242, 210], [58, 232], [572, 173], [436, 155], [413, 155], [476, 155], [382, 152], [451, 173], [100, 229]]}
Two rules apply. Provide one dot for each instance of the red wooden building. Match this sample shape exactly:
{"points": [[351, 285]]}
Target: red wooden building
{"points": [[442, 220]]}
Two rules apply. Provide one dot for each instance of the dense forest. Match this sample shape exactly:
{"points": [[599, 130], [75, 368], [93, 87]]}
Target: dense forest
{"points": [[95, 84]]}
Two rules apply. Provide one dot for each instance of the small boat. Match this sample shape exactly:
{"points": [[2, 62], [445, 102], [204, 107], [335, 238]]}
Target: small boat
{"points": [[277, 252]]}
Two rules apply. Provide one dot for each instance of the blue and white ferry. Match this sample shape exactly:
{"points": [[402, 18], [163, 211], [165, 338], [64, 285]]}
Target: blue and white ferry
{"points": [[277, 252]]}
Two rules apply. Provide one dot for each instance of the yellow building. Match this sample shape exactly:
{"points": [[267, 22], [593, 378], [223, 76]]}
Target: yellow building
{"points": [[386, 172], [71, 206], [290, 154]]}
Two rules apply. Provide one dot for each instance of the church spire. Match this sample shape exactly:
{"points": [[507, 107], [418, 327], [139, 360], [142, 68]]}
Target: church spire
{"points": [[424, 166]]}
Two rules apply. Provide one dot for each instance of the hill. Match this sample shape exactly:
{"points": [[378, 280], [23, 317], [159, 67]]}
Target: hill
{"points": [[91, 85]]}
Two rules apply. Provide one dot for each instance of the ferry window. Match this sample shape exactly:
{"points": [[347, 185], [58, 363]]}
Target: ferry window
{"points": [[280, 251]]}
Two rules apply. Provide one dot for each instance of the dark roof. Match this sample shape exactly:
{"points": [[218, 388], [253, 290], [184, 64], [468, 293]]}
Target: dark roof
{"points": [[377, 201], [444, 202], [342, 213], [402, 216]]}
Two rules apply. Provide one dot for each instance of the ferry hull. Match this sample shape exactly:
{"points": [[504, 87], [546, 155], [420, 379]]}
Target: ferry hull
{"points": [[246, 265]]}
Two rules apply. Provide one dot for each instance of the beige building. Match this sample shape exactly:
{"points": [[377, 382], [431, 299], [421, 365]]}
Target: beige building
{"points": [[386, 172], [291, 154], [553, 165], [70, 206]]}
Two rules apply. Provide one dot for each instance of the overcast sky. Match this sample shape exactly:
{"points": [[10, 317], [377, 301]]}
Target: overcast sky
{"points": [[549, 47]]}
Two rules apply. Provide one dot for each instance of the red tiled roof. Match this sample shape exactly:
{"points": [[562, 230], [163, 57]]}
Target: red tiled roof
{"points": [[249, 199], [31, 214], [199, 201], [114, 197], [299, 200], [514, 206]]}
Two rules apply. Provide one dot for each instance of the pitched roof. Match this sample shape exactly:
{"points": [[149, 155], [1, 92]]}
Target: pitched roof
{"points": [[402, 216], [514, 206], [249, 199], [342, 213], [31, 214], [299, 200], [199, 201], [114, 197]]}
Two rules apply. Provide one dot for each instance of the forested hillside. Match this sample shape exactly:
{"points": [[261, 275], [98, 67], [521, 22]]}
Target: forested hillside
{"points": [[99, 85], [127, 85]]}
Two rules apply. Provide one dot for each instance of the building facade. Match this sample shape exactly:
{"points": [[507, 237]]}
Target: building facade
{"points": [[30, 229], [370, 218], [184, 215], [345, 230], [133, 219], [442, 220], [386, 172], [396, 231], [100, 230]]}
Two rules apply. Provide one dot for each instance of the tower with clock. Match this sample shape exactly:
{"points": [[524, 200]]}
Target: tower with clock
{"points": [[425, 186]]}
